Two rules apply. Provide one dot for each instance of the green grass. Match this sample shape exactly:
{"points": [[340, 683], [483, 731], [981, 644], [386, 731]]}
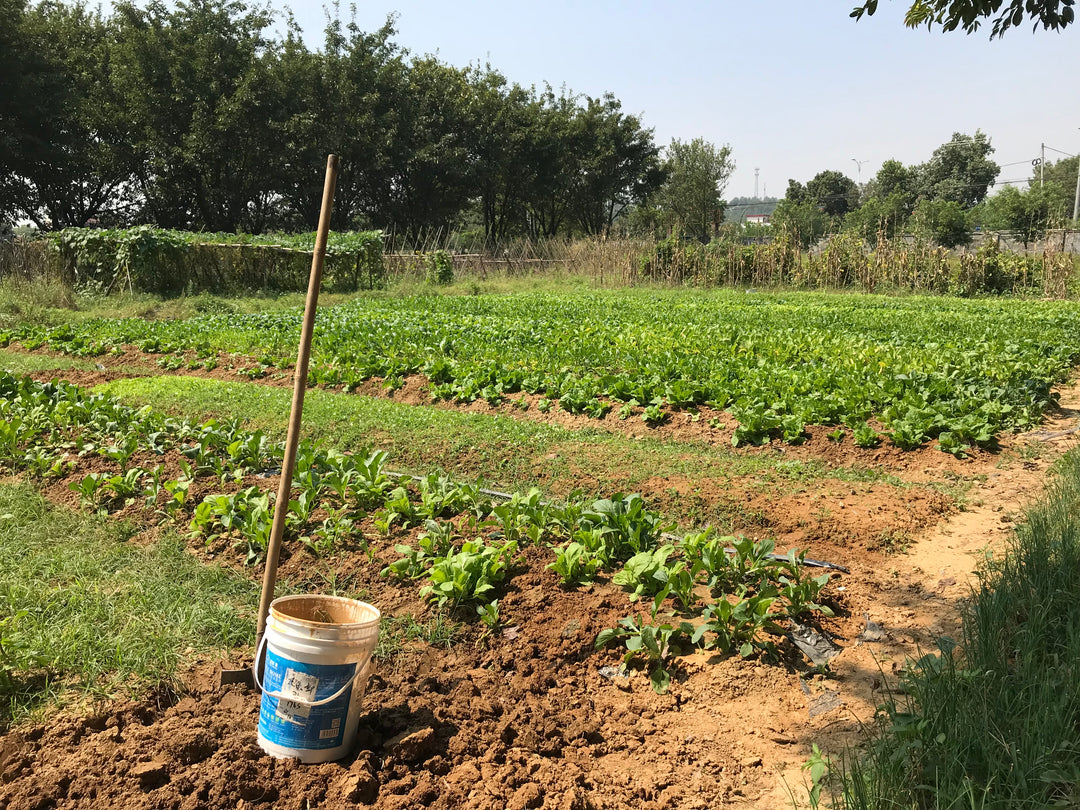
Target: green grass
{"points": [[87, 612], [22, 363], [397, 632], [995, 722], [51, 303], [506, 452]]}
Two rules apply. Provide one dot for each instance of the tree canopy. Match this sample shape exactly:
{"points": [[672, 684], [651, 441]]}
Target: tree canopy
{"points": [[969, 15], [196, 115], [697, 174]]}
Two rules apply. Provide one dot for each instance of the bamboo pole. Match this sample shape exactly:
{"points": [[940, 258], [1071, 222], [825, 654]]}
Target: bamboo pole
{"points": [[281, 506]]}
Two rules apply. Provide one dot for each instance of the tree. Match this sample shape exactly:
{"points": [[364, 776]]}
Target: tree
{"points": [[698, 172], [202, 100], [968, 15], [360, 81], [20, 107], [890, 199], [1059, 180], [944, 221], [886, 215], [82, 173], [959, 170], [503, 120], [1026, 213], [619, 164], [801, 215], [834, 192]]}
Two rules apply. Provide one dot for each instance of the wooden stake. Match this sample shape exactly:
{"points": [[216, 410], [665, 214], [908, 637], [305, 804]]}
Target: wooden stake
{"points": [[281, 506]]}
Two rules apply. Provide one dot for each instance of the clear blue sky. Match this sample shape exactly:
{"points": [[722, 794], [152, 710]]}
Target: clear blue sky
{"points": [[794, 86]]}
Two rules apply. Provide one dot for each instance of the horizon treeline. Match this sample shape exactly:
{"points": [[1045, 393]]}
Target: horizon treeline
{"points": [[198, 116]]}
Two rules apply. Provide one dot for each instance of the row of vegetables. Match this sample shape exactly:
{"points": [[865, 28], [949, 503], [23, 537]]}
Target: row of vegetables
{"points": [[698, 590], [958, 371]]}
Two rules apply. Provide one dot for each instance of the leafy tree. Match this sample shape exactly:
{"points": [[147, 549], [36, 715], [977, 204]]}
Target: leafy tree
{"points": [[430, 162], [698, 172], [886, 215], [503, 120], [801, 216], [893, 178], [944, 221], [1059, 180], [817, 208], [619, 165], [1026, 213], [834, 192], [555, 153], [360, 81], [959, 170], [202, 99], [968, 15], [82, 172], [20, 106], [890, 199]]}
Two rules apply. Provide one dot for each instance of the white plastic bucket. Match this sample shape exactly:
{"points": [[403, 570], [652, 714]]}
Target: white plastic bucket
{"points": [[318, 660]]}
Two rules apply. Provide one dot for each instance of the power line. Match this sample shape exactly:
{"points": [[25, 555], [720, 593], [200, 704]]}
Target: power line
{"points": [[1060, 152]]}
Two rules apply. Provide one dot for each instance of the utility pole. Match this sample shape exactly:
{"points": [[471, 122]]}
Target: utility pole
{"points": [[1042, 162], [1076, 199]]}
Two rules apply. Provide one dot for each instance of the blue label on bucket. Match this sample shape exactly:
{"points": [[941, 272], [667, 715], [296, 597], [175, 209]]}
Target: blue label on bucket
{"points": [[290, 721]]}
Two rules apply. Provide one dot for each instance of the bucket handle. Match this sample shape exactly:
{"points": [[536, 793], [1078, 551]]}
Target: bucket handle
{"points": [[301, 701]]}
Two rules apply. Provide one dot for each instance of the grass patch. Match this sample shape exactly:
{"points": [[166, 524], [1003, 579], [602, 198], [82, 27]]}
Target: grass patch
{"points": [[396, 633], [23, 363], [995, 721], [506, 452], [87, 613]]}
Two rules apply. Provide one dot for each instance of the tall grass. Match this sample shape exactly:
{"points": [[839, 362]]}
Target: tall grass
{"points": [[995, 721]]}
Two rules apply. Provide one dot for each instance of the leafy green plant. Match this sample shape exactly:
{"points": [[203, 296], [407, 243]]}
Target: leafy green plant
{"points": [[439, 496], [865, 436], [435, 542], [654, 415], [468, 575], [330, 534], [800, 595], [489, 614], [757, 421], [949, 442], [397, 509], [576, 564], [739, 625], [371, 481], [178, 491], [122, 451], [91, 489], [625, 525], [653, 641], [127, 485], [646, 573]]}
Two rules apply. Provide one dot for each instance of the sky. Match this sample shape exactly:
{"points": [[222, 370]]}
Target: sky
{"points": [[793, 86]]}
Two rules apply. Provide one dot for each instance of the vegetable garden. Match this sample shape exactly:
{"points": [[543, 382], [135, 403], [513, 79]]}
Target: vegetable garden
{"points": [[956, 371], [584, 628]]}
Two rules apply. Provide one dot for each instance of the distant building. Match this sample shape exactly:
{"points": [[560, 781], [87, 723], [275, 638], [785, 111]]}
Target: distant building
{"points": [[758, 219]]}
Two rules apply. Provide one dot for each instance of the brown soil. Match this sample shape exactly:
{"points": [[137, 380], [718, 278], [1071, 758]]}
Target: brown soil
{"points": [[526, 718]]}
